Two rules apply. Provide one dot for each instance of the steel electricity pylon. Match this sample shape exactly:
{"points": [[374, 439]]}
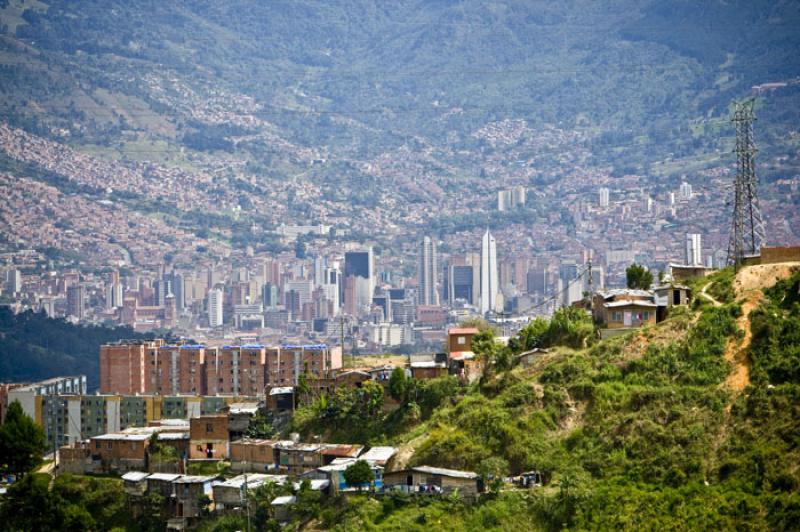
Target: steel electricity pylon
{"points": [[747, 227]]}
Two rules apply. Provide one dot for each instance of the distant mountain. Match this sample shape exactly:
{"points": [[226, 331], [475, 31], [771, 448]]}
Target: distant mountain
{"points": [[324, 109], [399, 67], [34, 347]]}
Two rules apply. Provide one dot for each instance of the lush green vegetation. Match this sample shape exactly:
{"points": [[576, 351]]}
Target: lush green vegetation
{"points": [[638, 277], [35, 347], [21, 442], [633, 432], [636, 432]]}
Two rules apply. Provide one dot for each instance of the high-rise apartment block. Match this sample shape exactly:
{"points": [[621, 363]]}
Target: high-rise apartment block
{"points": [[14, 281], [76, 301], [510, 198], [694, 250], [150, 367], [685, 191], [215, 303], [489, 275], [604, 197], [427, 268], [359, 281]]}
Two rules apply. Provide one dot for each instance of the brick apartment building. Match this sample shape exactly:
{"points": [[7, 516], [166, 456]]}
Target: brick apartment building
{"points": [[235, 370], [122, 366], [130, 368]]}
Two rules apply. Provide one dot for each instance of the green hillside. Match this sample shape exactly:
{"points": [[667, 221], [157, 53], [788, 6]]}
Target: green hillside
{"points": [[361, 77], [34, 347], [644, 431]]}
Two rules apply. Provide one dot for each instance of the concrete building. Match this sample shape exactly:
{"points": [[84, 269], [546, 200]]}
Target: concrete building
{"points": [[427, 270], [359, 281], [604, 197], [685, 191], [460, 284], [694, 250], [76, 301], [510, 198], [489, 276], [215, 304], [14, 281], [248, 317]]}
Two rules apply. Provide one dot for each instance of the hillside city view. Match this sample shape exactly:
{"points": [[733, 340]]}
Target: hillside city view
{"points": [[359, 265]]}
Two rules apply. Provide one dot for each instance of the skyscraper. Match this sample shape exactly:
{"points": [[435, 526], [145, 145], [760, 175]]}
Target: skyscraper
{"points": [[215, 307], [604, 197], [359, 273], [427, 268], [76, 301], [685, 191], [460, 284], [694, 250], [14, 281], [489, 280]]}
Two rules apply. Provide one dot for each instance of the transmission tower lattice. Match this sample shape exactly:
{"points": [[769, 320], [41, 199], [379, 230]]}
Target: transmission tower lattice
{"points": [[747, 231]]}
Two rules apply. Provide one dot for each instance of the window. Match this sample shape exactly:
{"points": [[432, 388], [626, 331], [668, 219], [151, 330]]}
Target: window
{"points": [[462, 340], [97, 444], [209, 428], [111, 445]]}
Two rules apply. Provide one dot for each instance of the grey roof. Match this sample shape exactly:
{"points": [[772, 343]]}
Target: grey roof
{"points": [[281, 390], [253, 480], [455, 473], [283, 500], [167, 477], [119, 436], [194, 479], [630, 302], [244, 408], [378, 454], [605, 294], [340, 464], [135, 476], [316, 484]]}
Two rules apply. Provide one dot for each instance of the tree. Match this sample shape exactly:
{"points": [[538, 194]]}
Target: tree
{"points": [[492, 470], [359, 473], [529, 337], [22, 442], [303, 388], [398, 384], [260, 425], [638, 277]]}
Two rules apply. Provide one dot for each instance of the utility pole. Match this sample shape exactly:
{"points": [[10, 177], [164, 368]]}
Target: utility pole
{"points": [[590, 284], [747, 228], [246, 501], [341, 329]]}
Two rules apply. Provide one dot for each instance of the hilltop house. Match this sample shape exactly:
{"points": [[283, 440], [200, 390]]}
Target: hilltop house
{"points": [[620, 310]]}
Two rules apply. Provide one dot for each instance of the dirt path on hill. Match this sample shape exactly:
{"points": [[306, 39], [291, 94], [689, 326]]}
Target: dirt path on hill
{"points": [[705, 295], [404, 454], [749, 285]]}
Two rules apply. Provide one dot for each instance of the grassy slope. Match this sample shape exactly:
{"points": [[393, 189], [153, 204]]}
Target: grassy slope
{"points": [[642, 430]]}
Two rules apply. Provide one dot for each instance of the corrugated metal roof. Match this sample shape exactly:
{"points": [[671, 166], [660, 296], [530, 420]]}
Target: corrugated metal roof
{"points": [[445, 472], [630, 303], [379, 454], [135, 476]]}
